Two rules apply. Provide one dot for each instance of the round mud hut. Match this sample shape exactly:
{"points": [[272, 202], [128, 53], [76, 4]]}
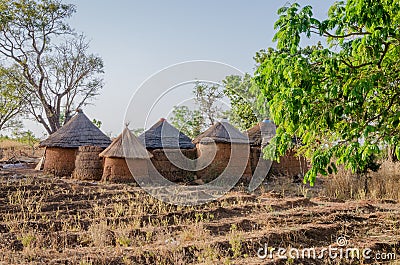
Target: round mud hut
{"points": [[226, 145], [62, 146], [165, 142], [88, 164], [126, 147], [260, 136]]}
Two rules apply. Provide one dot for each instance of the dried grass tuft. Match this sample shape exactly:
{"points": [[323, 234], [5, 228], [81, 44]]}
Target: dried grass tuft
{"points": [[381, 185]]}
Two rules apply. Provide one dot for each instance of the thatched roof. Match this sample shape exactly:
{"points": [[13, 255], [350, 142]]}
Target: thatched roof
{"points": [[223, 132], [126, 145], [261, 133], [79, 131], [163, 135]]}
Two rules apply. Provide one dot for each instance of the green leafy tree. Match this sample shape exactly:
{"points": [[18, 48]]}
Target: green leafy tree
{"points": [[242, 96], [25, 137], [53, 61], [190, 122], [341, 98], [13, 101]]}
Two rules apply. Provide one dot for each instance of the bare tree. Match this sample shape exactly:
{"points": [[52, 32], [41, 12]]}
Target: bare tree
{"points": [[73, 77], [53, 61]]}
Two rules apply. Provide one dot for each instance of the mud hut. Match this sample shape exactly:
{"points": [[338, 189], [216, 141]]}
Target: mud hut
{"points": [[125, 147], [289, 164], [226, 138], [62, 146], [165, 142], [260, 135], [88, 164]]}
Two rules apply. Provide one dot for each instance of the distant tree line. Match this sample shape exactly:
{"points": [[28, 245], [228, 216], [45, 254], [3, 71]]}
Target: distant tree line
{"points": [[208, 110]]}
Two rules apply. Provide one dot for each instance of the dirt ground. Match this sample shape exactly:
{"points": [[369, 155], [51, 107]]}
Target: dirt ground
{"points": [[46, 220]]}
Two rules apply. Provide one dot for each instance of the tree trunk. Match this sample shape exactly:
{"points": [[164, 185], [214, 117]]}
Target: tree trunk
{"points": [[392, 153]]}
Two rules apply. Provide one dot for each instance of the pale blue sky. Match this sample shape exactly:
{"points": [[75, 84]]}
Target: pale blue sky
{"points": [[138, 38]]}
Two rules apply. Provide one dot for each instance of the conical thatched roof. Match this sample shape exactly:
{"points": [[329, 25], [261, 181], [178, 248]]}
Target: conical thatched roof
{"points": [[261, 133], [223, 132], [126, 145], [163, 135], [79, 131]]}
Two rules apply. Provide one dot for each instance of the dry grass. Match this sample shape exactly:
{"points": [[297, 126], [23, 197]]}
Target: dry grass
{"points": [[381, 185], [7, 143], [14, 150], [63, 221]]}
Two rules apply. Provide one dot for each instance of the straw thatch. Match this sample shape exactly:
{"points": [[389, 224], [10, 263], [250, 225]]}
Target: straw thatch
{"points": [[88, 164], [164, 138], [226, 137], [125, 146], [163, 135], [222, 132], [79, 131], [60, 161], [261, 133], [62, 146]]}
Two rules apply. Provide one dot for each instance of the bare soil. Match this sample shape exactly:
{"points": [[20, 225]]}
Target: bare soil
{"points": [[46, 220]]}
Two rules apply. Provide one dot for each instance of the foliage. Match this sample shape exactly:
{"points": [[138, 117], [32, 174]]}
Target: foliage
{"points": [[207, 97], [13, 101], [24, 137], [138, 131], [208, 110], [98, 123], [53, 61], [242, 96], [190, 122], [341, 98]]}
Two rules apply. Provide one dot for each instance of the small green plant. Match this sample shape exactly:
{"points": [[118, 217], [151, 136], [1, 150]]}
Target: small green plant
{"points": [[235, 240], [208, 255], [199, 217], [28, 240], [124, 241]]}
